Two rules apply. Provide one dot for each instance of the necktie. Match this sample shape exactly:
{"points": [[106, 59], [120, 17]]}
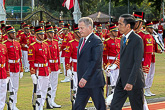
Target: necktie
{"points": [[124, 42], [82, 45]]}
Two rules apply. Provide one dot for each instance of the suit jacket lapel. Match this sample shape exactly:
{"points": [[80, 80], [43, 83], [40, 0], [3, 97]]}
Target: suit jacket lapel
{"points": [[80, 42], [86, 44], [127, 42]]}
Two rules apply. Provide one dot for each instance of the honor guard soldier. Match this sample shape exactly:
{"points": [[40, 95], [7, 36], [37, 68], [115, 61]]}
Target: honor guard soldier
{"points": [[15, 62], [160, 30], [66, 38], [42, 24], [24, 44], [20, 31], [39, 56], [71, 57], [4, 36], [106, 30], [31, 38], [148, 46], [147, 41], [111, 52], [54, 66], [4, 73], [150, 75], [48, 23], [99, 31], [56, 36]]}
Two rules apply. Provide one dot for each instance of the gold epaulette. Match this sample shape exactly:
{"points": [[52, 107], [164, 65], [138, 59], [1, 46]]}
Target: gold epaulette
{"points": [[3, 34], [71, 41], [145, 32], [118, 38], [55, 40], [45, 43], [33, 43], [4, 41], [45, 40], [22, 33], [107, 39]]}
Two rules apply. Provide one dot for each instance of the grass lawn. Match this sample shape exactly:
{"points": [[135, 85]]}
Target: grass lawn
{"points": [[63, 91]]}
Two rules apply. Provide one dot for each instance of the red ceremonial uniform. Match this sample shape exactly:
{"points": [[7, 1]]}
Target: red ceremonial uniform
{"points": [[56, 37], [54, 51], [155, 49], [19, 32], [66, 39], [31, 39], [148, 49], [38, 56], [4, 37], [160, 29], [111, 49], [14, 55], [3, 62], [24, 40], [71, 53], [100, 34]]}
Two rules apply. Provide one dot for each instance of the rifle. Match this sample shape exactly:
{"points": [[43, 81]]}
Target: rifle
{"points": [[7, 97], [72, 98], [34, 100], [158, 40]]}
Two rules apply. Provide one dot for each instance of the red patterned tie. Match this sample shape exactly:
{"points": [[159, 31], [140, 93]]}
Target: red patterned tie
{"points": [[82, 45]]}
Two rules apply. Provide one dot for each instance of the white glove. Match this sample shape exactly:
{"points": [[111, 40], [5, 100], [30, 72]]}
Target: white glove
{"points": [[21, 75], [34, 78], [107, 72], [69, 73], [26, 46], [145, 76], [114, 66], [109, 99], [7, 79]]}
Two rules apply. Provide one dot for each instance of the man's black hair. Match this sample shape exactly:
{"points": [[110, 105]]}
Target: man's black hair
{"points": [[129, 19]]}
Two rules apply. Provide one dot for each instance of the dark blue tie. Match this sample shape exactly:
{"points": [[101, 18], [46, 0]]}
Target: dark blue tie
{"points": [[124, 42]]}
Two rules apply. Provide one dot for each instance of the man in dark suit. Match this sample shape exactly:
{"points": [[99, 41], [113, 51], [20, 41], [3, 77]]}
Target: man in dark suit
{"points": [[131, 79], [89, 67]]}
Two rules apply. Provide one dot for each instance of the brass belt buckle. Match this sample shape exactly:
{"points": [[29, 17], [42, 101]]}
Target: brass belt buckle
{"points": [[44, 65]]}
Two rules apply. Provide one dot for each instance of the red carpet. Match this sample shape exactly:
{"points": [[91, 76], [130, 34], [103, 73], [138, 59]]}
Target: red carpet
{"points": [[152, 106]]}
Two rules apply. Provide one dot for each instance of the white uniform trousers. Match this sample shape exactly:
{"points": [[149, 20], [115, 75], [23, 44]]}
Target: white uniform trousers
{"points": [[150, 76], [25, 59], [53, 78], [75, 81], [114, 76], [145, 106], [63, 62], [14, 85], [3, 90], [42, 87]]}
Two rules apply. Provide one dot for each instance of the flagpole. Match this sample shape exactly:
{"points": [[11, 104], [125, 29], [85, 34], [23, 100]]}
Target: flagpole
{"points": [[77, 13]]}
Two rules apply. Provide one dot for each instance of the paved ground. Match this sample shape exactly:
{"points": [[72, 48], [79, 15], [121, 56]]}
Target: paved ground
{"points": [[154, 104]]}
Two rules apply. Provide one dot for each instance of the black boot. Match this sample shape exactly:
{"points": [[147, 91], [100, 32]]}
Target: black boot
{"points": [[48, 106]]}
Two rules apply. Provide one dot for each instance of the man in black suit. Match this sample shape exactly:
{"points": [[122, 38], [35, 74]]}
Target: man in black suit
{"points": [[131, 79], [89, 67]]}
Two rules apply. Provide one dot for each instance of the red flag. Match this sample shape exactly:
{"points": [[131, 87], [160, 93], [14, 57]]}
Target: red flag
{"points": [[68, 4]]}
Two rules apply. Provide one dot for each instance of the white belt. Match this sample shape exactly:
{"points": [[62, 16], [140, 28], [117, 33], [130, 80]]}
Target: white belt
{"points": [[53, 61], [40, 65], [111, 58], [74, 60], [2, 65], [14, 61]]}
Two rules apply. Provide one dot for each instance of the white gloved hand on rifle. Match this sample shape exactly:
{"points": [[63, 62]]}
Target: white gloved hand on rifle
{"points": [[114, 66], [21, 75], [69, 73], [7, 79], [34, 78], [26, 46]]}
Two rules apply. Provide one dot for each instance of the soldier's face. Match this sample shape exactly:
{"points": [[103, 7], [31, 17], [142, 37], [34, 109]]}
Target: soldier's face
{"points": [[138, 25], [50, 35], [84, 30], [32, 32], [11, 35], [99, 30], [122, 27], [150, 30], [27, 30], [40, 37], [114, 33]]}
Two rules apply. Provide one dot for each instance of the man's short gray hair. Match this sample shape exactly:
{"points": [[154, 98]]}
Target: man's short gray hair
{"points": [[88, 21]]}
